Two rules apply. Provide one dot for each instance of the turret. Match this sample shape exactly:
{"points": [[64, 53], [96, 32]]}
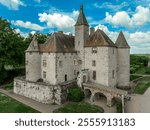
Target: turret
{"points": [[33, 61], [123, 62], [81, 35]]}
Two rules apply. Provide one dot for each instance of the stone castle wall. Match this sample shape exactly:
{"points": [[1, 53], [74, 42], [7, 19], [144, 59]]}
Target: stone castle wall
{"points": [[41, 92], [123, 67]]}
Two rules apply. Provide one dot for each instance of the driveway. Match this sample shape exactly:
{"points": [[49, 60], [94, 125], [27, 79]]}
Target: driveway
{"points": [[139, 103]]}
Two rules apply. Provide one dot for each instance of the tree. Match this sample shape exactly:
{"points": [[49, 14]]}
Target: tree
{"points": [[12, 47]]}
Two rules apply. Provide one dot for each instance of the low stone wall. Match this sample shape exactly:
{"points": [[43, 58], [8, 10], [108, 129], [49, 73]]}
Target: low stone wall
{"points": [[41, 92]]}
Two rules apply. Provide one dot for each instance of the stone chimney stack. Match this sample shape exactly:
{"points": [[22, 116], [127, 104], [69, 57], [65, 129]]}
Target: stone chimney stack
{"points": [[92, 30]]}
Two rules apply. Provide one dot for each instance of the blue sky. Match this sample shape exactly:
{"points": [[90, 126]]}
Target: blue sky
{"points": [[47, 16]]}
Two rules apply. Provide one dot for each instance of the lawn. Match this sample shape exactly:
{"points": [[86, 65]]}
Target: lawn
{"points": [[142, 85], [80, 107], [9, 105]]}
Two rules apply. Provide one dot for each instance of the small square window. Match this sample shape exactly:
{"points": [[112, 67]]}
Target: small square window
{"points": [[93, 63], [44, 74], [94, 50], [60, 63], [44, 63], [94, 75], [79, 62], [26, 62], [113, 74]]}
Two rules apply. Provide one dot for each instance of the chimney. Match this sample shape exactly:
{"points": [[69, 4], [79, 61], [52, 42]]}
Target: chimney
{"points": [[92, 30]]}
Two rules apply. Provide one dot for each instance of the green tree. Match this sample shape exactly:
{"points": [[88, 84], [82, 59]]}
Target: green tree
{"points": [[12, 47]]}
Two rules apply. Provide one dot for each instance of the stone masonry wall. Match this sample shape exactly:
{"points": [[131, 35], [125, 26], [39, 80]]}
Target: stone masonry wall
{"points": [[41, 92]]}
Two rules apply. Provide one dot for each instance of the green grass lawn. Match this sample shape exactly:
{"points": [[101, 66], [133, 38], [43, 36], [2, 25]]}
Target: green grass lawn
{"points": [[80, 107], [9, 105], [142, 86]]}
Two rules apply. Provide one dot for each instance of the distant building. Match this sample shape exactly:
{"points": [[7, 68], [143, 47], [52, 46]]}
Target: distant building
{"points": [[64, 59]]}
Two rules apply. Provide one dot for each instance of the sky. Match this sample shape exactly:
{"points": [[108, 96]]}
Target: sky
{"points": [[112, 16]]}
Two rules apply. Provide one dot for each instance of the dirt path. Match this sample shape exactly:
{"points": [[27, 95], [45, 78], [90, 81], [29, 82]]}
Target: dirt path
{"points": [[139, 103], [44, 108]]}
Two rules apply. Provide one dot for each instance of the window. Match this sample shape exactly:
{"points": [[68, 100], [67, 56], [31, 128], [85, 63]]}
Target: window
{"points": [[60, 63], [44, 74], [93, 63], [113, 51], [78, 43], [44, 63], [113, 74], [30, 53], [94, 50], [94, 75], [26, 62], [74, 62], [65, 77], [79, 62], [74, 72]]}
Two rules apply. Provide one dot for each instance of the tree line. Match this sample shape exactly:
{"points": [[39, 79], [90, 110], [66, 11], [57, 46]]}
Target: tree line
{"points": [[13, 46]]}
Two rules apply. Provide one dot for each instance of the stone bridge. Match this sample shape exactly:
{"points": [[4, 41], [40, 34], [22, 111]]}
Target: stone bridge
{"points": [[94, 91]]}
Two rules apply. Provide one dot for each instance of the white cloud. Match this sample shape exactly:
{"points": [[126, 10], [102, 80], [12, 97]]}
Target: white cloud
{"points": [[58, 20], [28, 25], [139, 18], [112, 7], [12, 4], [21, 33], [24, 34]]}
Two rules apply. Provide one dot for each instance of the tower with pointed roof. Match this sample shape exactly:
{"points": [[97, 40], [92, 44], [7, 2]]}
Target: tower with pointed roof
{"points": [[33, 61], [81, 35], [123, 62]]}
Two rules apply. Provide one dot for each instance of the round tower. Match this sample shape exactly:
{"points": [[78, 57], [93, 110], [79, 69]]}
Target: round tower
{"points": [[123, 62], [33, 61]]}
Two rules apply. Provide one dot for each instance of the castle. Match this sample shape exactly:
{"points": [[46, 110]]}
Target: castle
{"points": [[64, 59]]}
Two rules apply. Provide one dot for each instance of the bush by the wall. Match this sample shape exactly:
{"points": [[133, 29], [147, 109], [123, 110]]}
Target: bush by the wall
{"points": [[75, 94], [119, 107], [147, 70]]}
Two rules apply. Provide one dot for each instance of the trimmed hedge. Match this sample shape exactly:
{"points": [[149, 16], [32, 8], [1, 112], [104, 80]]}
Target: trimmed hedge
{"points": [[75, 94]]}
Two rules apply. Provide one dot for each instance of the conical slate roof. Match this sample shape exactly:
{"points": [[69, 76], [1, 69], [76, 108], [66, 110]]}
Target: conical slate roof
{"points": [[33, 47], [81, 18], [121, 41], [99, 38], [58, 42]]}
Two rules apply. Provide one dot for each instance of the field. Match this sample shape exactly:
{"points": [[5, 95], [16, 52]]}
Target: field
{"points": [[9, 105]]}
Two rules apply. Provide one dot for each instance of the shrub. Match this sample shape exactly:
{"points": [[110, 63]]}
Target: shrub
{"points": [[75, 94], [147, 70], [119, 107]]}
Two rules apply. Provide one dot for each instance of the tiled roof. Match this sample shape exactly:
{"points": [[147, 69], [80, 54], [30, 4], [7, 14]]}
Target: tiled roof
{"points": [[99, 38], [58, 42], [81, 18], [33, 47], [121, 41]]}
